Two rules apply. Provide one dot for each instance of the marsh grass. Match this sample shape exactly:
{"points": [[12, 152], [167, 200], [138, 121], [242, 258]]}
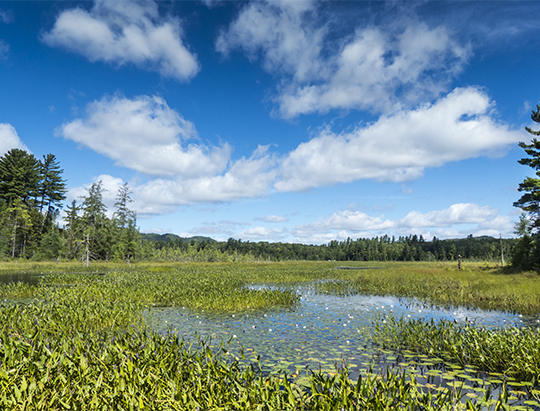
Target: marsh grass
{"points": [[83, 343], [513, 352], [443, 285]]}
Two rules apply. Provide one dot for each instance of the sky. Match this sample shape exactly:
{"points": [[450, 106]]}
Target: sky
{"points": [[283, 120]]}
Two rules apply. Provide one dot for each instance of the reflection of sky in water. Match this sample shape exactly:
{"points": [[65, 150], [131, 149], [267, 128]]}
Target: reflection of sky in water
{"points": [[319, 332]]}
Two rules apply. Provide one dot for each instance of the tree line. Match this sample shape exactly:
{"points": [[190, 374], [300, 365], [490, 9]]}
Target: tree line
{"points": [[32, 192], [385, 248]]}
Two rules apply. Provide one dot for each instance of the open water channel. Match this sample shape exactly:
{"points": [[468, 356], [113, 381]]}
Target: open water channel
{"points": [[324, 332]]}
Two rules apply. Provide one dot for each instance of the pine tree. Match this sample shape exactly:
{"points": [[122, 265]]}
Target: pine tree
{"points": [[97, 228], [19, 177], [527, 254], [52, 188]]}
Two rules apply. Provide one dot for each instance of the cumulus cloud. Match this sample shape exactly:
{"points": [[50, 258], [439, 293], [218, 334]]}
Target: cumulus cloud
{"points": [[125, 32], [245, 178], [458, 220], [281, 31], [378, 68], [261, 234], [273, 219], [400, 146], [455, 214], [9, 139], [146, 135]]}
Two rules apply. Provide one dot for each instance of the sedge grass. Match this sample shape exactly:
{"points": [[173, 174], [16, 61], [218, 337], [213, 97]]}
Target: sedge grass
{"points": [[83, 343], [514, 352], [444, 285]]}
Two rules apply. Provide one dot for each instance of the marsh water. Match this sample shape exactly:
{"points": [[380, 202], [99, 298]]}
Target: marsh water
{"points": [[325, 332], [31, 278]]}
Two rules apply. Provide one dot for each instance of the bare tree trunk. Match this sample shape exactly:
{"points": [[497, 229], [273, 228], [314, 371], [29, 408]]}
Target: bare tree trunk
{"points": [[14, 239], [502, 255], [87, 251]]}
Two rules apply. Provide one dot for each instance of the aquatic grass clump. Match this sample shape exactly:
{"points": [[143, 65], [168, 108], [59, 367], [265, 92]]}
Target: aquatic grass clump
{"points": [[439, 285], [512, 351], [146, 371]]}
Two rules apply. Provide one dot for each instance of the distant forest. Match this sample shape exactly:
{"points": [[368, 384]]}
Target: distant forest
{"points": [[385, 248]]}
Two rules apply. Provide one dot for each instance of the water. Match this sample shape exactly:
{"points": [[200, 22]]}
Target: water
{"points": [[320, 332], [31, 278]]}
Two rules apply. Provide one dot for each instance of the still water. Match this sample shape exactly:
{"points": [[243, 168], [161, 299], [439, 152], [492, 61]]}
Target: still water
{"points": [[321, 332], [31, 278]]}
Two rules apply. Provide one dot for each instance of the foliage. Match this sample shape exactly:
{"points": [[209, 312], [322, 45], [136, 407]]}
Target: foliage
{"points": [[527, 255], [83, 344], [441, 285], [385, 248]]}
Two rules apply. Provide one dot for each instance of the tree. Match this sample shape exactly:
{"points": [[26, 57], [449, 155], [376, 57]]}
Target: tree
{"points": [[52, 188], [126, 225], [528, 248], [96, 226], [19, 176], [123, 215], [73, 230]]}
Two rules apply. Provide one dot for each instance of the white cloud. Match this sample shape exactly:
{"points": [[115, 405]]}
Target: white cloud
{"points": [[9, 139], [146, 135], [282, 32], [380, 71], [377, 68], [245, 178], [400, 146], [459, 220], [125, 32], [273, 219], [456, 214], [261, 234]]}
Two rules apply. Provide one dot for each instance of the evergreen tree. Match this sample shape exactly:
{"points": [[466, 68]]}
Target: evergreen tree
{"points": [[97, 228], [19, 177], [528, 251], [52, 188]]}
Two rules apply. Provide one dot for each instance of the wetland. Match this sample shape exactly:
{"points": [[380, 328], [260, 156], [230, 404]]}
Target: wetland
{"points": [[269, 336]]}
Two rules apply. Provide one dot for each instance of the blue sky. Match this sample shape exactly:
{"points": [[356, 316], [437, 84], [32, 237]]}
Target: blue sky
{"points": [[291, 121]]}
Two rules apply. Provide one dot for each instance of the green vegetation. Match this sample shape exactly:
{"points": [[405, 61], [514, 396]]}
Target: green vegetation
{"points": [[81, 341], [477, 285], [527, 252], [512, 352], [385, 248]]}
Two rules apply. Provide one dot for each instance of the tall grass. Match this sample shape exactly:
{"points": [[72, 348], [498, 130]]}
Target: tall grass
{"points": [[443, 285]]}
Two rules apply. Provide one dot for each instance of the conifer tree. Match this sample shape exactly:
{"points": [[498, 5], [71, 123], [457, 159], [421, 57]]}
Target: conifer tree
{"points": [[527, 253], [52, 188]]}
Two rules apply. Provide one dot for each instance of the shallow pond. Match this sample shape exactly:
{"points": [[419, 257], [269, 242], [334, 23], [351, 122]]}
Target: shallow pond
{"points": [[323, 332], [31, 278]]}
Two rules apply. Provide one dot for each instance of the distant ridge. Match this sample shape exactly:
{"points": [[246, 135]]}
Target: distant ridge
{"points": [[174, 237]]}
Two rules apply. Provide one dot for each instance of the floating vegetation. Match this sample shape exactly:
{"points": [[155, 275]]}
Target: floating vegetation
{"points": [[205, 336], [511, 351]]}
